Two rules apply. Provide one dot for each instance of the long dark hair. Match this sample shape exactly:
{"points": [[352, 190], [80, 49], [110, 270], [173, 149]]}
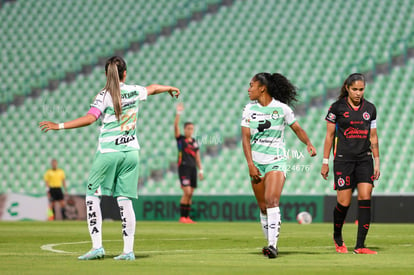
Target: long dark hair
{"points": [[114, 69], [352, 78], [278, 87]]}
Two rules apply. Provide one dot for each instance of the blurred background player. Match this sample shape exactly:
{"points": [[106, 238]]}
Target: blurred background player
{"points": [[263, 125], [352, 130], [115, 167], [188, 161], [55, 180]]}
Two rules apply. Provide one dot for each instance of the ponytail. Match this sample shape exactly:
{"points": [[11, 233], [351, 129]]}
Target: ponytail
{"points": [[348, 82], [115, 68], [278, 87]]}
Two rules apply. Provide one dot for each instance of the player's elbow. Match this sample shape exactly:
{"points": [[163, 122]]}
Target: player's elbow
{"points": [[89, 119]]}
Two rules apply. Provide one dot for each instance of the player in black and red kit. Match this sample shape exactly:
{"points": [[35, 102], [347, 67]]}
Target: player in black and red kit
{"points": [[352, 131], [188, 161]]}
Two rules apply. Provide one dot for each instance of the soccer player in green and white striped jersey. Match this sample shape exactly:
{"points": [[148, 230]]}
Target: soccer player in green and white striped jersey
{"points": [[263, 126], [115, 167]]}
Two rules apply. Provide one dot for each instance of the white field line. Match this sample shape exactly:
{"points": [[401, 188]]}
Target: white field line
{"points": [[51, 247]]}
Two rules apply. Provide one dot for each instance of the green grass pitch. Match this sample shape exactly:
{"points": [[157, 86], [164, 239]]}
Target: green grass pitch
{"points": [[202, 248]]}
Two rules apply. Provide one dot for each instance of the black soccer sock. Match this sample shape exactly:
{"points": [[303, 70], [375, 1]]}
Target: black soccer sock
{"points": [[339, 215], [54, 213], [364, 220], [183, 209], [63, 212], [188, 210]]}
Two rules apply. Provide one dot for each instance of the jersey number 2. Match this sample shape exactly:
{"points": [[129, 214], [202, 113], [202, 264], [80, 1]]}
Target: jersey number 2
{"points": [[128, 122]]}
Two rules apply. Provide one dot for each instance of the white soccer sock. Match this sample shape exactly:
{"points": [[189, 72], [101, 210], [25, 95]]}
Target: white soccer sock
{"points": [[263, 221], [273, 220], [94, 218], [128, 223]]}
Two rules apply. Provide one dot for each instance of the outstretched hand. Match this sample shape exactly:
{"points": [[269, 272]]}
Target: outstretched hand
{"points": [[180, 107], [174, 92], [48, 125]]}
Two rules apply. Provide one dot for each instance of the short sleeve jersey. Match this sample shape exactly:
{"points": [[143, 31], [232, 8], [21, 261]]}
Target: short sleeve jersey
{"points": [[353, 129], [54, 178], [116, 136], [267, 130], [187, 150]]}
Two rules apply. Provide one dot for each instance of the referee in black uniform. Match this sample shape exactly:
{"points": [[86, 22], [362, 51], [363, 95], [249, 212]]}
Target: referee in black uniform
{"points": [[352, 132], [188, 161]]}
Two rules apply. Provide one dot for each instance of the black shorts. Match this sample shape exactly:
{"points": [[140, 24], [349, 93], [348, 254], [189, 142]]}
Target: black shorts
{"points": [[188, 176], [56, 194], [349, 173]]}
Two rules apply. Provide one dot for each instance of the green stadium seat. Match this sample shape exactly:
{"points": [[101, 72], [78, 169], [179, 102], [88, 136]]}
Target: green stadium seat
{"points": [[212, 61]]}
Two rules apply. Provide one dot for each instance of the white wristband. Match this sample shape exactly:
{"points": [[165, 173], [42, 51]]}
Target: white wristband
{"points": [[179, 112], [61, 126], [325, 161], [201, 171]]}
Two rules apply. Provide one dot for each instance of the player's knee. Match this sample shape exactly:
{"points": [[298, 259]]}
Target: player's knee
{"points": [[187, 195], [345, 202], [363, 197], [272, 202]]}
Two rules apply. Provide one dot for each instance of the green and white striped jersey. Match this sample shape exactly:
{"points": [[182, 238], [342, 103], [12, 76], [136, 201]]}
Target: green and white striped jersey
{"points": [[116, 136], [267, 129]]}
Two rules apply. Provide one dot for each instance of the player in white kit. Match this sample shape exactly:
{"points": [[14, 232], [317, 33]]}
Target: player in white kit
{"points": [[115, 169], [263, 125]]}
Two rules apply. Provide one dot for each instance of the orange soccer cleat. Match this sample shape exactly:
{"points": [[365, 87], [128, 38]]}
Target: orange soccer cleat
{"points": [[186, 220], [189, 220], [364, 250], [342, 248]]}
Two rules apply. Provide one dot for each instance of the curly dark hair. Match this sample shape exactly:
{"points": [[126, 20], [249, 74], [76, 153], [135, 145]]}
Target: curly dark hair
{"points": [[278, 87], [348, 82]]}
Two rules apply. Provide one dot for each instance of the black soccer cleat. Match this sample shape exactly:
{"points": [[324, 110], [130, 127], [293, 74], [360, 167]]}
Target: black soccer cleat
{"points": [[270, 251]]}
